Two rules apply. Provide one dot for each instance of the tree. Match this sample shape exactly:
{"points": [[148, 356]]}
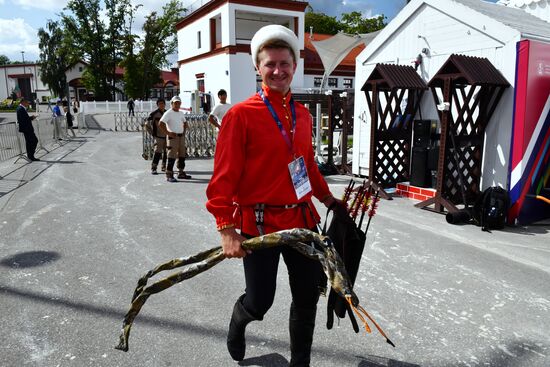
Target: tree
{"points": [[321, 23], [88, 31], [355, 23], [116, 34], [132, 76], [349, 23], [4, 60], [158, 42], [100, 44], [55, 57]]}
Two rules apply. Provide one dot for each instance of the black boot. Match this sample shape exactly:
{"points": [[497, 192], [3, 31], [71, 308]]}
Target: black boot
{"points": [[301, 326], [170, 170], [236, 344], [164, 159], [154, 164]]}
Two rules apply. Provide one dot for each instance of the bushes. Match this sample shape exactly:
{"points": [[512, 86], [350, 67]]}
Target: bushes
{"points": [[10, 105]]}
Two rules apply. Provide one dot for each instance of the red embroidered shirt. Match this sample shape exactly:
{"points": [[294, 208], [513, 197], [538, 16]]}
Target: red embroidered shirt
{"points": [[251, 166]]}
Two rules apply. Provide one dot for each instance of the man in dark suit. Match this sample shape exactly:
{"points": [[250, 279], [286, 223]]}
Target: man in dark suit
{"points": [[25, 127]]}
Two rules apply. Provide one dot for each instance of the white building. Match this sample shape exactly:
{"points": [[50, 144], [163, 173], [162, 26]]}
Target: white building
{"points": [[23, 79], [214, 48], [436, 29], [214, 44]]}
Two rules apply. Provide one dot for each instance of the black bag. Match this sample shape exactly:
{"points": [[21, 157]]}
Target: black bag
{"points": [[349, 242], [491, 208]]}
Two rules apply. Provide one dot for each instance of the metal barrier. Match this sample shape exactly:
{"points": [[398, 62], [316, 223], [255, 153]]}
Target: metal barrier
{"points": [[200, 138], [9, 143], [51, 132], [123, 122], [81, 123]]}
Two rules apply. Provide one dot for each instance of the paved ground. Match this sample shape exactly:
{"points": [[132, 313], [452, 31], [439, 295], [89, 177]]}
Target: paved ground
{"points": [[80, 227]]}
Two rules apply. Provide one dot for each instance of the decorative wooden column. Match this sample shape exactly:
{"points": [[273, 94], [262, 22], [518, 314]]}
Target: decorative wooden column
{"points": [[391, 126], [470, 89]]}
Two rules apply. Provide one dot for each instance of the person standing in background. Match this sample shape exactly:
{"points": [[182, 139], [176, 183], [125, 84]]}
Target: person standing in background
{"points": [[25, 127], [173, 124], [160, 138], [131, 104], [216, 116]]}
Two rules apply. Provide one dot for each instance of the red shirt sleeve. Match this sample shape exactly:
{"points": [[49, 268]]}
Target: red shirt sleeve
{"points": [[228, 166]]}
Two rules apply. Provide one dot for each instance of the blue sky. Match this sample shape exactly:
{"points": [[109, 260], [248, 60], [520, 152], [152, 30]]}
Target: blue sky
{"points": [[21, 19]]}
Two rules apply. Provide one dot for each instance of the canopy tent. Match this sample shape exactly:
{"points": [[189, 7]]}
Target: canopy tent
{"points": [[334, 49]]}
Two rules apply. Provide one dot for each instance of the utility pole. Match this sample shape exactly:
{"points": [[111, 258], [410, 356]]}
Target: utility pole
{"points": [[23, 56]]}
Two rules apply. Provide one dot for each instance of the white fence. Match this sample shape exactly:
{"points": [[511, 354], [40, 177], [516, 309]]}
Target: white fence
{"points": [[118, 106]]}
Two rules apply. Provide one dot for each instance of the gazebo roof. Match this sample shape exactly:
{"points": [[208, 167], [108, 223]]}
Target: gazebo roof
{"points": [[390, 76], [474, 70]]}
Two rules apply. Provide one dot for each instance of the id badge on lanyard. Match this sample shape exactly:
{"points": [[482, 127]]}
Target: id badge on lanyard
{"points": [[300, 179], [297, 168]]}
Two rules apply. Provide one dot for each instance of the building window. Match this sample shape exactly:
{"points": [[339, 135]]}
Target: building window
{"points": [[80, 69], [199, 39], [200, 85], [348, 83], [317, 81], [333, 82]]}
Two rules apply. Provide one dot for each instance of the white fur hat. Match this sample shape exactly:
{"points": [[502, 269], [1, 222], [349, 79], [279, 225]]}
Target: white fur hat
{"points": [[274, 32]]}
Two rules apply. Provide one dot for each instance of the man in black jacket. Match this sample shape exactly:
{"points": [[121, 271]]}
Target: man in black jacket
{"points": [[25, 127]]}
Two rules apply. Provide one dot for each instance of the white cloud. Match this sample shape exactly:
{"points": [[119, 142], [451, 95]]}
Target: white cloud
{"points": [[51, 5], [15, 36]]}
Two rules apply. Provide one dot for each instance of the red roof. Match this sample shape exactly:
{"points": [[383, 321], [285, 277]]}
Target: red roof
{"points": [[312, 61], [171, 76]]}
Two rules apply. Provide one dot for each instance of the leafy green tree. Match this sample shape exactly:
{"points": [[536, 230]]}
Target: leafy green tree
{"points": [[355, 23], [100, 43], [116, 34], [321, 23], [88, 32], [159, 41], [4, 60], [132, 77], [55, 57], [351, 23]]}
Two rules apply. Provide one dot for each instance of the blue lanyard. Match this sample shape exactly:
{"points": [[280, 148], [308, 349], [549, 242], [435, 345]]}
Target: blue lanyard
{"points": [[289, 142]]}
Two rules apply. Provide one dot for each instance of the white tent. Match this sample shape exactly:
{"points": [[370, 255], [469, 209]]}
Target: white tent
{"points": [[334, 49]]}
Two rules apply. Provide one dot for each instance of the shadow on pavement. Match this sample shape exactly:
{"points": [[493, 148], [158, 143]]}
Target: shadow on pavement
{"points": [[9, 183], [375, 361], [267, 360], [183, 327], [30, 259]]}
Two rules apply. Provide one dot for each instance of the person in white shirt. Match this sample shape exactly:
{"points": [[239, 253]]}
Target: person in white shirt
{"points": [[173, 124], [219, 111]]}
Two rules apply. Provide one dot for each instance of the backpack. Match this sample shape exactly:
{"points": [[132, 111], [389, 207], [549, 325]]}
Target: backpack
{"points": [[491, 208]]}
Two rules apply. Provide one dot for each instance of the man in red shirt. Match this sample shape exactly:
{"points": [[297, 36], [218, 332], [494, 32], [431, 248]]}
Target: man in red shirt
{"points": [[264, 178]]}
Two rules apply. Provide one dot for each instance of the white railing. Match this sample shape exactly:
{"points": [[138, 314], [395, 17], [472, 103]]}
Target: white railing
{"points": [[118, 106]]}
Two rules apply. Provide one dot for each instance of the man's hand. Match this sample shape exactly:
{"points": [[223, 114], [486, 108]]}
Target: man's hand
{"points": [[213, 121], [338, 207], [231, 243], [171, 134]]}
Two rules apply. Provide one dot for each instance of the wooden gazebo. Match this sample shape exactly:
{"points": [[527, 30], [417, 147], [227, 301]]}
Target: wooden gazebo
{"points": [[393, 95], [466, 91]]}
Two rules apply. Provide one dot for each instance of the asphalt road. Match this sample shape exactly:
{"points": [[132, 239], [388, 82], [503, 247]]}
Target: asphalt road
{"points": [[80, 227]]}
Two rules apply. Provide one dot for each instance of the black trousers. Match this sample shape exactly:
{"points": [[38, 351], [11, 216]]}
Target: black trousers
{"points": [[260, 270], [31, 141]]}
